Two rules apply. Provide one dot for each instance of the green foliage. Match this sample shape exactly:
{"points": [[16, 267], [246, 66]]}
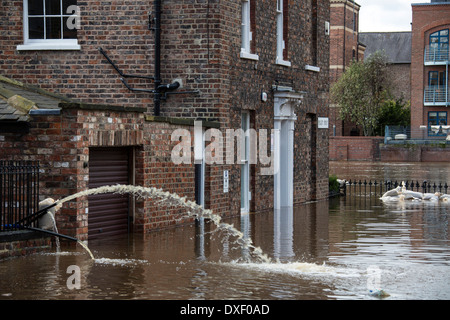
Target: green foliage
{"points": [[333, 183], [361, 91], [394, 113]]}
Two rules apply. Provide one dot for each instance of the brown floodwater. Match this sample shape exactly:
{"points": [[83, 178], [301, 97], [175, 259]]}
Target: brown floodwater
{"points": [[336, 249]]}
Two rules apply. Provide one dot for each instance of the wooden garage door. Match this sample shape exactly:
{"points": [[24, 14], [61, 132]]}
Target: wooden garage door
{"points": [[108, 213]]}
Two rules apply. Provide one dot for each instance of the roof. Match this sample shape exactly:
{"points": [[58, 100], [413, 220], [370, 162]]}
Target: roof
{"points": [[18, 100], [396, 45], [432, 3]]}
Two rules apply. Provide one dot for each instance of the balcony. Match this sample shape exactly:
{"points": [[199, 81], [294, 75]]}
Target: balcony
{"points": [[436, 96], [436, 56]]}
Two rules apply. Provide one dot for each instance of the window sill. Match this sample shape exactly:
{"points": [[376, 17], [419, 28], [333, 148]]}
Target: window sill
{"points": [[312, 68], [283, 63], [250, 56], [48, 46]]}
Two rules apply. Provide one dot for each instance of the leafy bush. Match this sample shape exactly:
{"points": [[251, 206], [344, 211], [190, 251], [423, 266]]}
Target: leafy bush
{"points": [[333, 183]]}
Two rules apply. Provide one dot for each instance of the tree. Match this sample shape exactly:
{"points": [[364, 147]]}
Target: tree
{"points": [[361, 90], [393, 112]]}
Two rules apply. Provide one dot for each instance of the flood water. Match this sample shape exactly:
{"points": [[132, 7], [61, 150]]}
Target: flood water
{"points": [[336, 249]]}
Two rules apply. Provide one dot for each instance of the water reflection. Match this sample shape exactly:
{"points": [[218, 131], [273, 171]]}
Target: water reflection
{"points": [[361, 170], [321, 250], [326, 250], [283, 233]]}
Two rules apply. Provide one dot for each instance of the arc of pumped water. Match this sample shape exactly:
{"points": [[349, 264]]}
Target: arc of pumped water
{"points": [[194, 210]]}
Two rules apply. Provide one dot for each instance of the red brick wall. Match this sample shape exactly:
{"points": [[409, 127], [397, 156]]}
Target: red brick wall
{"points": [[120, 27], [155, 168], [401, 75], [414, 153], [12, 247], [342, 43], [426, 19], [61, 144], [200, 45], [355, 148]]}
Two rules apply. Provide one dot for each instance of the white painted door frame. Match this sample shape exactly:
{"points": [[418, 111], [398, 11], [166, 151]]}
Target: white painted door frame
{"points": [[284, 126], [245, 163]]}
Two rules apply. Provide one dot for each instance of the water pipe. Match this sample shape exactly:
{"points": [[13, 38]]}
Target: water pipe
{"points": [[36, 215], [51, 233]]}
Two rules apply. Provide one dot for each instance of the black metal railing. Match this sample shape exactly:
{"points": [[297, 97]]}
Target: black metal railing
{"points": [[19, 193], [378, 188]]}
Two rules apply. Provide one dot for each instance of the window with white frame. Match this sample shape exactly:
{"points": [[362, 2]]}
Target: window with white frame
{"points": [[50, 25], [246, 30], [282, 19], [435, 122]]}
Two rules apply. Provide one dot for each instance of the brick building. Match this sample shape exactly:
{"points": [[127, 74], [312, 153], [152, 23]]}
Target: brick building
{"points": [[103, 100], [345, 47], [397, 47], [430, 96]]}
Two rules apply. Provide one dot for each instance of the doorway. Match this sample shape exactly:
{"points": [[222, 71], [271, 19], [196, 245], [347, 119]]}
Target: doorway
{"points": [[108, 214], [284, 126]]}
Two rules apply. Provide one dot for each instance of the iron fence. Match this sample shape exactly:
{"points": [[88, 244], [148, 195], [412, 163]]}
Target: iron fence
{"points": [[378, 188], [19, 193]]}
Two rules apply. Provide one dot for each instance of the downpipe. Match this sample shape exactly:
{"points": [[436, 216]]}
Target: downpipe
{"points": [[157, 76]]}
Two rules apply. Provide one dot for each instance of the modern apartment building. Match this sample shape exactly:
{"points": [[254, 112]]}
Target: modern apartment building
{"points": [[430, 98]]}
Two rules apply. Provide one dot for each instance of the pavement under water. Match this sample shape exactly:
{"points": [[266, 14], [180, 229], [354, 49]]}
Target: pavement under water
{"points": [[341, 248]]}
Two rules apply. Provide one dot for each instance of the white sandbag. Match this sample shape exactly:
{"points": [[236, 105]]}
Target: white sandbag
{"points": [[392, 193], [431, 197], [409, 195], [46, 221]]}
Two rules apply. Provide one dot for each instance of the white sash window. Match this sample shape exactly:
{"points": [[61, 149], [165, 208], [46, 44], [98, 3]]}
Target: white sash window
{"points": [[50, 25]]}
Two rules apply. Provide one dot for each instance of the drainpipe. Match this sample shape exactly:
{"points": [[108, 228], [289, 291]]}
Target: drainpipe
{"points": [[159, 90], [157, 28], [446, 81], [345, 23]]}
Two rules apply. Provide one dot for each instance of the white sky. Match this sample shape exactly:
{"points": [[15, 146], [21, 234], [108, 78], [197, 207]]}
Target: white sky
{"points": [[386, 15]]}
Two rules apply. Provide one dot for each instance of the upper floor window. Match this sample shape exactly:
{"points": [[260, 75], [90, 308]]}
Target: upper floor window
{"points": [[248, 20], [50, 25], [439, 40], [436, 79], [282, 33]]}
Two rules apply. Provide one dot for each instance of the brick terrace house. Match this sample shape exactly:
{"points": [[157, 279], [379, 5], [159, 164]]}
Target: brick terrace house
{"points": [[345, 47], [103, 99], [430, 96]]}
